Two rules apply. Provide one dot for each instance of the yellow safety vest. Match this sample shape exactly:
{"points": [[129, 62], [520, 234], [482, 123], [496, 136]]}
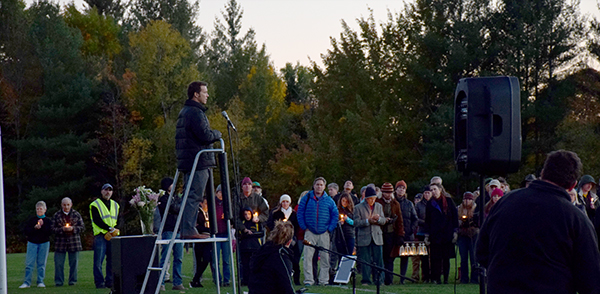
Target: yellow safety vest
{"points": [[108, 217]]}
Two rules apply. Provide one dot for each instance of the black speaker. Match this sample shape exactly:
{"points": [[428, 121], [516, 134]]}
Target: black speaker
{"points": [[487, 125], [130, 256]]}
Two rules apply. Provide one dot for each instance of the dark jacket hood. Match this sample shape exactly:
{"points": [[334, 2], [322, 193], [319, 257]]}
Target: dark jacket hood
{"points": [[586, 179]]}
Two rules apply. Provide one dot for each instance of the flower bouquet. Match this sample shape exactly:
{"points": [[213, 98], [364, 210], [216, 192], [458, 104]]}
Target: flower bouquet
{"points": [[145, 201]]}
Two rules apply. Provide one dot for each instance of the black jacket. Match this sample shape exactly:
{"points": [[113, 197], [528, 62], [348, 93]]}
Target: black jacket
{"points": [[536, 241], [441, 227], [193, 134], [271, 270], [279, 215], [41, 235], [173, 211]]}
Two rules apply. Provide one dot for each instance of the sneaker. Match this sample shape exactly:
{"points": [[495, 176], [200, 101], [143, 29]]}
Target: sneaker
{"points": [[23, 286], [195, 284], [41, 285], [162, 288], [178, 287], [307, 285]]}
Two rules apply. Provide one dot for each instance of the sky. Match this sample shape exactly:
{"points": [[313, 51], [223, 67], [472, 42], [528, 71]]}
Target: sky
{"points": [[298, 31]]}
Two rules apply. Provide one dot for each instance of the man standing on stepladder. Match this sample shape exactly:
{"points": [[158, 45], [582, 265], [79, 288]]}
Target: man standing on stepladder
{"points": [[192, 135]]}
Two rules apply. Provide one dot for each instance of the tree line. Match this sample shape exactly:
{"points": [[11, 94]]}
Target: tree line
{"points": [[91, 95]]}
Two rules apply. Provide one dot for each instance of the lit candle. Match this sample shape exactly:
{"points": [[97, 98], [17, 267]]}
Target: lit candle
{"points": [[341, 217], [256, 214], [67, 225], [285, 219], [464, 217]]}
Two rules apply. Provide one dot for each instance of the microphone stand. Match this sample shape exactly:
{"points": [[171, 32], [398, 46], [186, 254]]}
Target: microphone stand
{"points": [[375, 267], [235, 216]]}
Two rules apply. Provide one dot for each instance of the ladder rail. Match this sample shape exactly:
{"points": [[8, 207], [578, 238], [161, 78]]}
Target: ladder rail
{"points": [[150, 267]]}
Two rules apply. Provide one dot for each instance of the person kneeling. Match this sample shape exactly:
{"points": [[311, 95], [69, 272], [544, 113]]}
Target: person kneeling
{"points": [[271, 265]]}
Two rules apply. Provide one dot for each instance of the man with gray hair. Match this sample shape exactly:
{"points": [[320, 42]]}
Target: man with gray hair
{"points": [[318, 215], [67, 225]]}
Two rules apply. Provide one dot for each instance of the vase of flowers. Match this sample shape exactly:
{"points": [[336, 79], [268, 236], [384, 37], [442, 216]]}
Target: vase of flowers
{"points": [[145, 201]]}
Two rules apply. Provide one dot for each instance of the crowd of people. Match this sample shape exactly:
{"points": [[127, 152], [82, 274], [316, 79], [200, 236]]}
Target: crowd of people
{"points": [[67, 225]]}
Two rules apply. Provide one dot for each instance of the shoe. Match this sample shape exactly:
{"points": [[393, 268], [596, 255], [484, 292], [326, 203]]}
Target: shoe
{"points": [[195, 236], [23, 286], [72, 284], [41, 285], [307, 285], [226, 284], [101, 287], [178, 287], [195, 285], [162, 288]]}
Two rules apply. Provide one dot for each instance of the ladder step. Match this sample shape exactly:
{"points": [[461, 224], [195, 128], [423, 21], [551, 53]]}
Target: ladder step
{"points": [[155, 268], [207, 240]]}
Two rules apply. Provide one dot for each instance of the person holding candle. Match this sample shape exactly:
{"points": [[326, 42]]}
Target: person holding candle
{"points": [[393, 231], [369, 219], [67, 225], [37, 230], [104, 213], [467, 235], [256, 202], [249, 241], [441, 226], [203, 252], [346, 210], [284, 212]]}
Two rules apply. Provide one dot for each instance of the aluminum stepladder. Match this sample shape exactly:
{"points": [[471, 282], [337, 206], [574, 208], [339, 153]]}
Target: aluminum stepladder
{"points": [[210, 194]]}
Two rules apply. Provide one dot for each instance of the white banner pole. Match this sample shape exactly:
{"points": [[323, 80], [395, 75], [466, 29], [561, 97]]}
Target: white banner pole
{"points": [[3, 277]]}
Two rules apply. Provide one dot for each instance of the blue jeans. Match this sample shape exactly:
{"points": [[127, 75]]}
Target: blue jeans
{"points": [[102, 248], [195, 196], [59, 267], [36, 253], [177, 258], [467, 258], [223, 252], [371, 254]]}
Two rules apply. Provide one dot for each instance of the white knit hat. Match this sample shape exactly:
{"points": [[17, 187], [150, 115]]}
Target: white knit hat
{"points": [[285, 197]]}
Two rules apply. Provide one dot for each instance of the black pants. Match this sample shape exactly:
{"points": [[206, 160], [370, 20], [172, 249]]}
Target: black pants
{"points": [[246, 266], [203, 253], [388, 262], [440, 261]]}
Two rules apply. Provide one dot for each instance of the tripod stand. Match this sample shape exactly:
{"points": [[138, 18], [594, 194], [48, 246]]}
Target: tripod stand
{"points": [[375, 267]]}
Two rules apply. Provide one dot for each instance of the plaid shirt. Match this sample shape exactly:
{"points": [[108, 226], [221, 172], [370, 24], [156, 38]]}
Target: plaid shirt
{"points": [[67, 241]]}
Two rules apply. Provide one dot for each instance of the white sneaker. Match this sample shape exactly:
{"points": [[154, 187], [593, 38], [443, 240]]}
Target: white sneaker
{"points": [[162, 288], [41, 285], [23, 286]]}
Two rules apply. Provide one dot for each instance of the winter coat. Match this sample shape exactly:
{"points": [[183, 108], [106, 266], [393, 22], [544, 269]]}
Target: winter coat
{"points": [[347, 228], [409, 216], [591, 200], [317, 214], [193, 134], [251, 242], [279, 215], [271, 270], [398, 223], [173, 211], [256, 203], [441, 227], [420, 208], [67, 241], [536, 241]]}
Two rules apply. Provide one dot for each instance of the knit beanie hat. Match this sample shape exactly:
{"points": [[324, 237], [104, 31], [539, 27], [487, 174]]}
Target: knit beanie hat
{"points": [[285, 197], [468, 195], [246, 180], [400, 183], [498, 192], [370, 192], [387, 188], [166, 183]]}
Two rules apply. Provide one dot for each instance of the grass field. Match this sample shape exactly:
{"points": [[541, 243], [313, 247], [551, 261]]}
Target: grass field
{"points": [[85, 284]]}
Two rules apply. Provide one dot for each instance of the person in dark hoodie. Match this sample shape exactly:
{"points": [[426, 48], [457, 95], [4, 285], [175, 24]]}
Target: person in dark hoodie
{"points": [[250, 241], [203, 252], [271, 265]]}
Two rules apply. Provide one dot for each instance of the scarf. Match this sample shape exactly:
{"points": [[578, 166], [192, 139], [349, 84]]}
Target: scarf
{"points": [[287, 212], [41, 216]]}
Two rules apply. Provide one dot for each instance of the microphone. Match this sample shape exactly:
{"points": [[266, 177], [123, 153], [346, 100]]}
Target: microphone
{"points": [[224, 113], [307, 243]]}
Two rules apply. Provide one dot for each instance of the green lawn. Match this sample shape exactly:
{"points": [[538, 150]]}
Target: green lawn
{"points": [[85, 284]]}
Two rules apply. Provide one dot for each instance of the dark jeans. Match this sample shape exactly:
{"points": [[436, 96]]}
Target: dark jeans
{"points": [[102, 248], [388, 246], [467, 258], [59, 267], [246, 266], [425, 269], [195, 197]]}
